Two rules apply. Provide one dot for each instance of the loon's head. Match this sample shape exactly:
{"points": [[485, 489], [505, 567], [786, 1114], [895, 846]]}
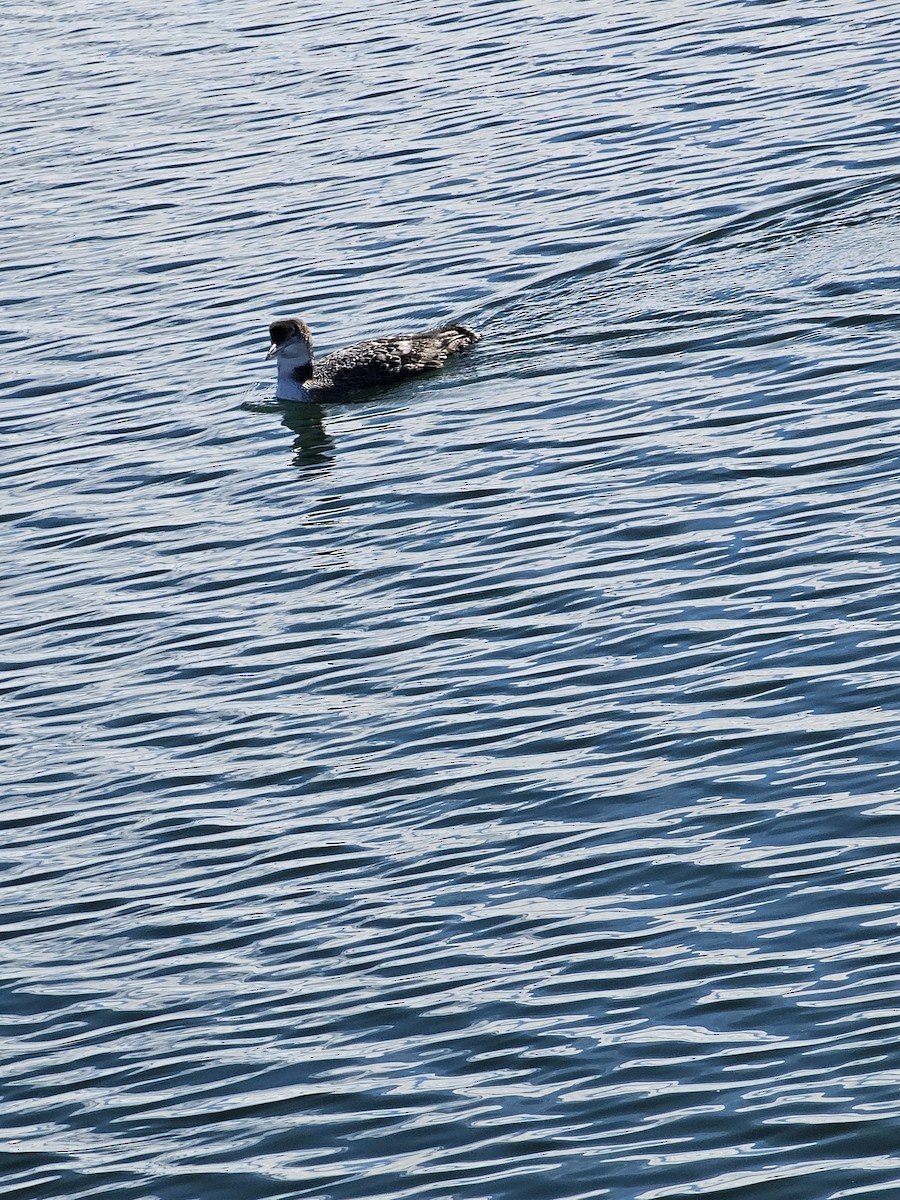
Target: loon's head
{"points": [[292, 348]]}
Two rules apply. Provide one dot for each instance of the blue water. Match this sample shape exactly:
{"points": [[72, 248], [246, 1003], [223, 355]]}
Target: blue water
{"points": [[490, 789]]}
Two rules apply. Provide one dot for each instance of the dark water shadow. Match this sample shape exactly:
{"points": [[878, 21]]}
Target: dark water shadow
{"points": [[313, 446]]}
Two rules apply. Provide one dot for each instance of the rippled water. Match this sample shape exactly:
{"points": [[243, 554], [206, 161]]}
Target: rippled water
{"points": [[490, 789]]}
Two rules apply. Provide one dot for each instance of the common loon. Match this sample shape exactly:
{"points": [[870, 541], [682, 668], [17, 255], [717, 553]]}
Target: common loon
{"points": [[363, 365]]}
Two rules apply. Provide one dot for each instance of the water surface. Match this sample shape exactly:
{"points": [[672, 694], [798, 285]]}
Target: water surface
{"points": [[490, 789]]}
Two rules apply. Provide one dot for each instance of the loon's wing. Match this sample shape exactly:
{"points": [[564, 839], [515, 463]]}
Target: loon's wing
{"points": [[390, 359]]}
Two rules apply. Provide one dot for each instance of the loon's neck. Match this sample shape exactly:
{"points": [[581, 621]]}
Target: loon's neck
{"points": [[292, 378], [289, 385]]}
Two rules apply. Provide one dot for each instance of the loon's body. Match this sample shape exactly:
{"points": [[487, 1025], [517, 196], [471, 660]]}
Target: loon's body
{"points": [[364, 365]]}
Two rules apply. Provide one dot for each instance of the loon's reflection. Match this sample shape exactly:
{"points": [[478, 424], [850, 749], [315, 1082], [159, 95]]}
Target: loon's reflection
{"points": [[312, 445]]}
